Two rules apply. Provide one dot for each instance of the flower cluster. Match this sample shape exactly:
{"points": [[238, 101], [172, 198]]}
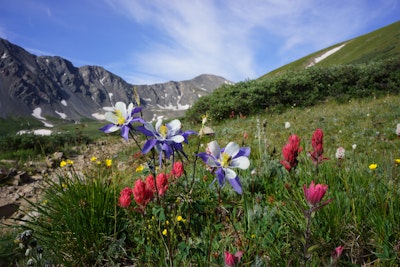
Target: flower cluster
{"points": [[290, 152], [143, 191], [167, 139], [317, 144]]}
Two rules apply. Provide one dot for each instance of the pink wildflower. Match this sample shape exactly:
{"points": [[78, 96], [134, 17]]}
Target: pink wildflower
{"points": [[125, 197], [232, 260], [314, 193], [318, 149], [177, 169], [162, 183], [335, 255], [141, 193], [290, 151]]}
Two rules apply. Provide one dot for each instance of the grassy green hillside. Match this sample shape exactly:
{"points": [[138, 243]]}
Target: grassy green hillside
{"points": [[378, 45]]}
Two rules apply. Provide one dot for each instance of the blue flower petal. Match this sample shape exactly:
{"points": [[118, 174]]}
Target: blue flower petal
{"points": [[149, 145], [221, 176], [125, 132], [109, 128], [237, 186]]}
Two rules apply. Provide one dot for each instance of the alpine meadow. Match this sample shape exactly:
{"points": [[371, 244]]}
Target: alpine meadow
{"points": [[300, 167]]}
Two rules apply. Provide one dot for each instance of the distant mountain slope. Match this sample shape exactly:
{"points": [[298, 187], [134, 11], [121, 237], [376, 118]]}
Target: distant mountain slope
{"points": [[380, 44], [50, 86]]}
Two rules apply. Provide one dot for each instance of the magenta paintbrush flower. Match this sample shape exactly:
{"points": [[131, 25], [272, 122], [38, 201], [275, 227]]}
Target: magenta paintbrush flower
{"points": [[314, 193], [318, 149], [233, 259], [290, 152]]}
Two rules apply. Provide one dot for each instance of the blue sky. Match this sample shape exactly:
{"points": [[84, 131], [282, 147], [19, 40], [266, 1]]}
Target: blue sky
{"points": [[152, 41]]}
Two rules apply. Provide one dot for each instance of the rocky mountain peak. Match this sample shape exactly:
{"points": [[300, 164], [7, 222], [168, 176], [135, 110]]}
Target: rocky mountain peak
{"points": [[52, 86]]}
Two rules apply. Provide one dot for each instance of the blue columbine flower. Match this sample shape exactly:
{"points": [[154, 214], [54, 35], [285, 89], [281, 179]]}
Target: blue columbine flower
{"points": [[121, 117], [223, 160], [167, 137]]}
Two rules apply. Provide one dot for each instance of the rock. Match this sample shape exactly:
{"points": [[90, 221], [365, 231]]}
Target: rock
{"points": [[57, 156], [207, 131], [21, 178], [8, 210]]}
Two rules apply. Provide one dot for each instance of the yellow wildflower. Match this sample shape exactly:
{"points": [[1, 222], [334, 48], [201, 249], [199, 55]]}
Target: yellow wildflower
{"points": [[93, 159], [373, 166], [70, 162], [253, 236], [139, 168], [179, 218], [165, 232], [167, 222], [98, 162], [397, 161], [108, 162], [63, 163]]}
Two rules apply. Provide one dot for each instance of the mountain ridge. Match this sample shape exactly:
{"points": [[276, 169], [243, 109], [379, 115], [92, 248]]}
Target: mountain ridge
{"points": [[51, 86]]}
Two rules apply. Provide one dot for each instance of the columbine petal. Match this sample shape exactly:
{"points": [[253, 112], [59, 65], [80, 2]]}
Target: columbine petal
{"points": [[158, 125], [244, 151], [174, 126], [147, 129], [236, 185], [121, 106], [232, 149], [130, 109], [214, 149], [149, 145], [240, 162], [109, 128], [230, 174], [110, 116], [207, 159], [221, 176], [125, 132], [177, 138]]}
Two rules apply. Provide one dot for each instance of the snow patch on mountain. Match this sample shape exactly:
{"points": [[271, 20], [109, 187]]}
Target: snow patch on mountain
{"points": [[325, 55]]}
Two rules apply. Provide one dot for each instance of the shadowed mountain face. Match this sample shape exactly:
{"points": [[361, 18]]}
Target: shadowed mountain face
{"points": [[45, 86]]}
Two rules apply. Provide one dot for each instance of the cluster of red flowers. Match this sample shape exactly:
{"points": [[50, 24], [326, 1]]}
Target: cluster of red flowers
{"points": [[143, 191], [290, 152]]}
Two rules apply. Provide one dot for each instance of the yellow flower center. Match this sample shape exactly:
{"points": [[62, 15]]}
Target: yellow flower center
{"points": [[163, 130], [120, 118], [225, 160]]}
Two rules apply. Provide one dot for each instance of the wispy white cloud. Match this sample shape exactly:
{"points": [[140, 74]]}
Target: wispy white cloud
{"points": [[221, 37]]}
